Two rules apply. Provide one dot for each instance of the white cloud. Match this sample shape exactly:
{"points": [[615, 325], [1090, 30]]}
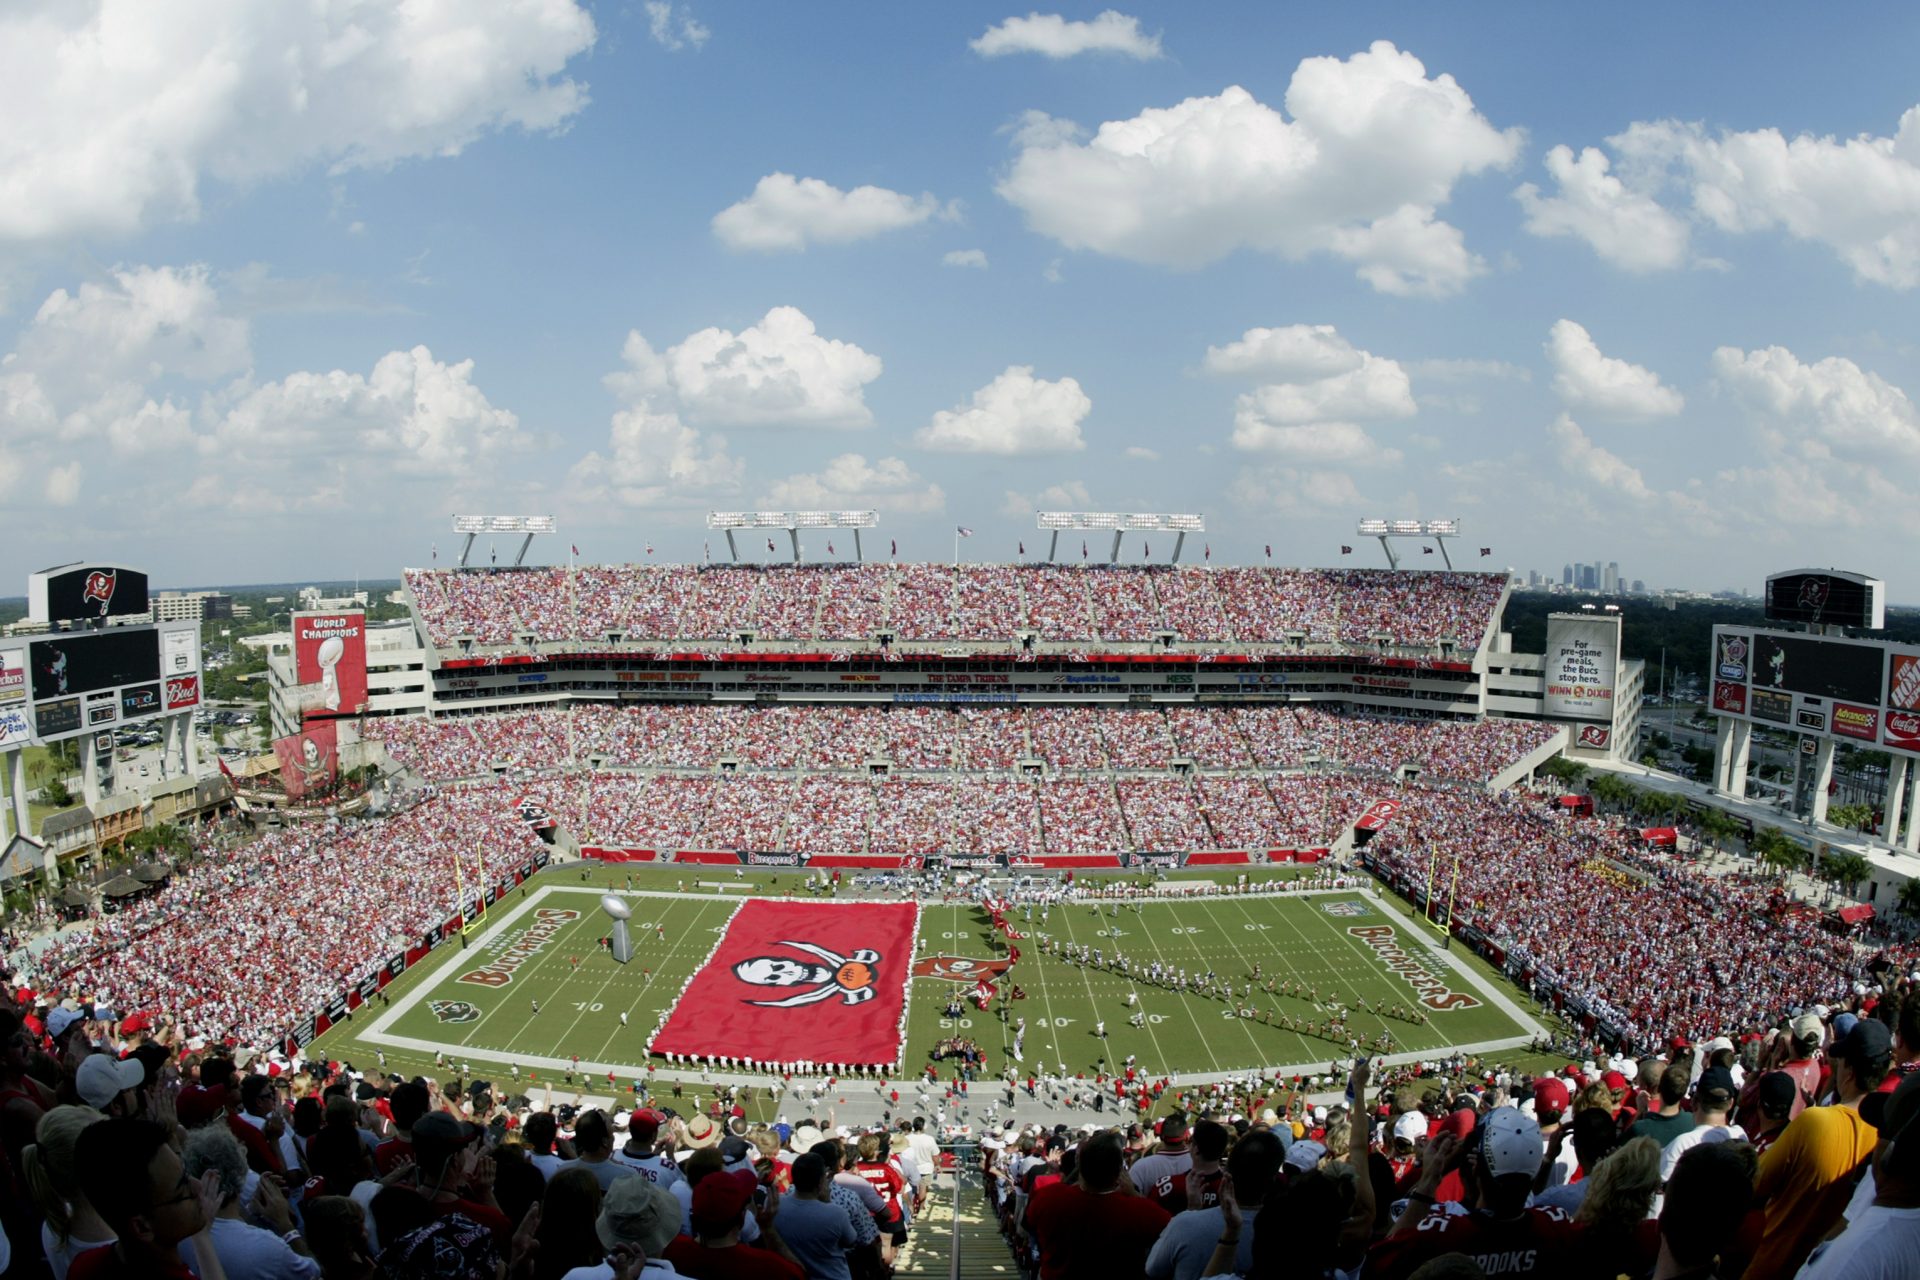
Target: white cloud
{"points": [[974, 258], [1591, 382], [786, 213], [1053, 36], [117, 114], [1830, 409], [850, 481], [1332, 387], [1295, 351], [1068, 495], [655, 458], [1582, 458], [1372, 148], [688, 33], [1016, 413], [1859, 196], [63, 484], [1052, 273], [1628, 228], [1140, 453], [778, 372]]}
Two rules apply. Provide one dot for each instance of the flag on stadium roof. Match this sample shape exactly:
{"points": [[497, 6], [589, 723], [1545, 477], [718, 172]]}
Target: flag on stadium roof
{"points": [[893, 547], [576, 548], [1207, 553], [1345, 550], [1426, 551], [1269, 551], [963, 531], [1486, 551], [829, 547], [1083, 549], [1023, 548]]}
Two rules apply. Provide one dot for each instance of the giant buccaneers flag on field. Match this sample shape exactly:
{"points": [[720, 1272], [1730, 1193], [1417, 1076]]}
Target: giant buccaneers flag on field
{"points": [[814, 981]]}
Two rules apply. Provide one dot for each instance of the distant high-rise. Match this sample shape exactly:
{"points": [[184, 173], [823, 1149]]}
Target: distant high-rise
{"points": [[1639, 587], [1566, 576], [1610, 578]]}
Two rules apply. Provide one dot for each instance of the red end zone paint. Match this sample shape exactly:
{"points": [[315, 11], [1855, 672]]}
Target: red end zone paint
{"points": [[823, 982]]}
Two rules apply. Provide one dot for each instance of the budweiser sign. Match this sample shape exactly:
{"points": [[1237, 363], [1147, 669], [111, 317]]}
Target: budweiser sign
{"points": [[1903, 683], [1901, 729], [1850, 721], [1730, 697], [182, 691]]}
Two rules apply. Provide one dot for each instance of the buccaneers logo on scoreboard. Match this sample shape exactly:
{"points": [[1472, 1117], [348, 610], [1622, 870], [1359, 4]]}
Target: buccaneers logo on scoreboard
{"points": [[99, 588], [1814, 593]]}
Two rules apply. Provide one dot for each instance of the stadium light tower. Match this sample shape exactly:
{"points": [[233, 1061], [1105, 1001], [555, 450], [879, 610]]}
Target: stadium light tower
{"points": [[474, 526], [1387, 530], [1119, 523], [793, 522]]}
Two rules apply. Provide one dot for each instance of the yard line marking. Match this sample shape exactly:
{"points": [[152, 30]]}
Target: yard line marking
{"points": [[1205, 1043], [1094, 1002]]}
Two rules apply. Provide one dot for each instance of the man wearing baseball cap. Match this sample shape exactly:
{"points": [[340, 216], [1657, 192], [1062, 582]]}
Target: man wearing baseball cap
{"points": [[109, 1084], [720, 1204], [1498, 1162], [1795, 1051], [1807, 1176], [645, 1153]]}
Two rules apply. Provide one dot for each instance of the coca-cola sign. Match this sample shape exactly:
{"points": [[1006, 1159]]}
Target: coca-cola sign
{"points": [[1901, 729], [183, 691]]}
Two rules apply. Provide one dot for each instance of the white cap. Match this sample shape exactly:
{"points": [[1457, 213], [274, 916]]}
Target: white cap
{"points": [[1716, 1044], [1410, 1127]]}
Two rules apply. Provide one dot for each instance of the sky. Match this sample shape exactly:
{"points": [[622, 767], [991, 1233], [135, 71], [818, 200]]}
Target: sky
{"points": [[284, 287]]}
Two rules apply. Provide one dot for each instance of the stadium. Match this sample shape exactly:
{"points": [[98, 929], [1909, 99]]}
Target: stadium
{"points": [[979, 845]]}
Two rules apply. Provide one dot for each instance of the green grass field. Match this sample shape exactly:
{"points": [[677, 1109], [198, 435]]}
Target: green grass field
{"points": [[495, 1028]]}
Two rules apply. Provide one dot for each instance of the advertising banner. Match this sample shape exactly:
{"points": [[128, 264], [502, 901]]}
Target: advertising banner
{"points": [[82, 662], [1818, 668], [1903, 683], [139, 700], [1730, 697], [1777, 707], [182, 691], [1850, 721], [1583, 659], [309, 759], [826, 982], [1730, 653], [15, 729], [179, 651], [1595, 736], [1901, 729], [13, 676], [1378, 815], [330, 662]]}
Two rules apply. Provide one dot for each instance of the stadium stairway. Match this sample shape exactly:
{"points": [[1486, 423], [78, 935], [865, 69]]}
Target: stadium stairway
{"points": [[957, 1219]]}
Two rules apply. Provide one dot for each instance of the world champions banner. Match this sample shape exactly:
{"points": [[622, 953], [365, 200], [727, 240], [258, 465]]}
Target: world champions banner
{"points": [[791, 981]]}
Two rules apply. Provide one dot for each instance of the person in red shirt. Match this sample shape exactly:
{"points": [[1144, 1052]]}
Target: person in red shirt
{"points": [[719, 1210], [1209, 1143], [409, 1102], [136, 1182], [1499, 1231], [888, 1182], [1095, 1226]]}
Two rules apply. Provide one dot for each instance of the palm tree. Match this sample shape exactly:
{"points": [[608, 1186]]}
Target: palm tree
{"points": [[1717, 825], [1777, 853], [1846, 869], [1854, 817], [1908, 903]]}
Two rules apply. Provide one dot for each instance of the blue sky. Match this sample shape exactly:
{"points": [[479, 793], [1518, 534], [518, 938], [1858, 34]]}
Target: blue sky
{"points": [[284, 290]]}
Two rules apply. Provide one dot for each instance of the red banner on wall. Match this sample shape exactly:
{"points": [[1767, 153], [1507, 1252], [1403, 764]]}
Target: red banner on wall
{"points": [[309, 759], [1378, 815], [330, 662], [1730, 697], [823, 982]]}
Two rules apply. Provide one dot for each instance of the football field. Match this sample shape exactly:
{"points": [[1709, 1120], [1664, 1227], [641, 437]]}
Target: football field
{"points": [[533, 990]]}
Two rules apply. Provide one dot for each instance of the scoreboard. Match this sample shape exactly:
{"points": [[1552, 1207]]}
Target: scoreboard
{"points": [[1864, 692], [69, 683]]}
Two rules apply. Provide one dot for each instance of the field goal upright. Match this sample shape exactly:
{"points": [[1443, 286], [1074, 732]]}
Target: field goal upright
{"points": [[479, 918]]}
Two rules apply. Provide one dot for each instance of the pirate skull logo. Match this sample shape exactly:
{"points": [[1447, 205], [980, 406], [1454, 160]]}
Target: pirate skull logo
{"points": [[455, 1011], [850, 977]]}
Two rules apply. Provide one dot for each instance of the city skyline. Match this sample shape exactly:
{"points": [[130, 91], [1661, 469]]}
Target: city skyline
{"points": [[626, 265]]}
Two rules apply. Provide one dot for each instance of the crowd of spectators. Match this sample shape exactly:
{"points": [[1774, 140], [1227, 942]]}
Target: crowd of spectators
{"points": [[317, 908], [822, 737], [1568, 902], [944, 603]]}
